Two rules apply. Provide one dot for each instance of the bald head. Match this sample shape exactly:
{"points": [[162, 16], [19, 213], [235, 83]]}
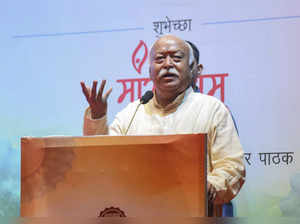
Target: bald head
{"points": [[174, 39]]}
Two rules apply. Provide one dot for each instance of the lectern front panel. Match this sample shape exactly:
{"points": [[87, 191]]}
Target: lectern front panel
{"points": [[132, 176]]}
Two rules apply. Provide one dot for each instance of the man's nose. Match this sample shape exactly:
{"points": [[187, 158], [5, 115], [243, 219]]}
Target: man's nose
{"points": [[168, 62]]}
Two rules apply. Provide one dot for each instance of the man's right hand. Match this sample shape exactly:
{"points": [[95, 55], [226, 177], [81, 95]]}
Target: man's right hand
{"points": [[97, 102]]}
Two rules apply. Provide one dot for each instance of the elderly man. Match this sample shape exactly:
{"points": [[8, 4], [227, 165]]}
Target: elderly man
{"points": [[177, 109]]}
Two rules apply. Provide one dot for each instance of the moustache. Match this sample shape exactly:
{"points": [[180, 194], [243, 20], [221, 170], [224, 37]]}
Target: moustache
{"points": [[168, 72]]}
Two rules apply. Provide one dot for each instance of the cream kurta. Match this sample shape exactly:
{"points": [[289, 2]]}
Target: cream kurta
{"points": [[190, 113]]}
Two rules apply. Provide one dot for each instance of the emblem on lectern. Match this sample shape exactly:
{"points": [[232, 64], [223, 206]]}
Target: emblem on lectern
{"points": [[112, 212]]}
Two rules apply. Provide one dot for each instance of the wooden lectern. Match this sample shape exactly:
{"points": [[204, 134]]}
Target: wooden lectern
{"points": [[99, 176]]}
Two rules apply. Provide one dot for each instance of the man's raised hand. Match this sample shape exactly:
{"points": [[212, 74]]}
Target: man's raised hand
{"points": [[97, 101], [212, 192]]}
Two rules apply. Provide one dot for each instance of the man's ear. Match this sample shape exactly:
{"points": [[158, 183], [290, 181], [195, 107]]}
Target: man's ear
{"points": [[199, 69]]}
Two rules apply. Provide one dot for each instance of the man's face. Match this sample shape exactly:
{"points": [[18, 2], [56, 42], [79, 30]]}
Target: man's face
{"points": [[169, 65]]}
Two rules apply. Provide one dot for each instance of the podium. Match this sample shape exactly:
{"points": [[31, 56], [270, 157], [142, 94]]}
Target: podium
{"points": [[106, 176]]}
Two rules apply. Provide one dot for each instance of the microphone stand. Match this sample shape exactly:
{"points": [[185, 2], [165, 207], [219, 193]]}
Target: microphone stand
{"points": [[145, 99], [132, 118]]}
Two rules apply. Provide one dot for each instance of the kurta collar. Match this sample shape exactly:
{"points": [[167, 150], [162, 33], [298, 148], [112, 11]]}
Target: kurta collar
{"points": [[154, 108]]}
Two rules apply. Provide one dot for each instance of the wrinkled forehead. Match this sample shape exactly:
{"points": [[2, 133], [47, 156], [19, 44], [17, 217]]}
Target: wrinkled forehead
{"points": [[169, 45]]}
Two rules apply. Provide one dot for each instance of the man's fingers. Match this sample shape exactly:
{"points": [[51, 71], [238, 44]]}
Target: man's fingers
{"points": [[89, 90], [94, 90], [106, 95], [100, 92], [211, 196], [85, 91], [214, 194], [211, 193], [91, 94]]}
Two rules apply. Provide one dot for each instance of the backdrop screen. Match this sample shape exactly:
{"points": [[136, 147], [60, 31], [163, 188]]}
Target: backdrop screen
{"points": [[249, 50]]}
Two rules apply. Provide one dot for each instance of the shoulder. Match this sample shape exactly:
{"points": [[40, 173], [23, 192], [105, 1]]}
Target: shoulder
{"points": [[206, 100]]}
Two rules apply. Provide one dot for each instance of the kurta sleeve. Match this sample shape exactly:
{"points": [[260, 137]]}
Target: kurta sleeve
{"points": [[94, 126], [100, 127], [227, 171]]}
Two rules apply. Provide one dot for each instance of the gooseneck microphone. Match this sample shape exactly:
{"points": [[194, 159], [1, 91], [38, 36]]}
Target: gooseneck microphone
{"points": [[145, 99]]}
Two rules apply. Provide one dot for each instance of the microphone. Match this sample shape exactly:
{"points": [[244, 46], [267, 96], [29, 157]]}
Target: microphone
{"points": [[144, 99]]}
